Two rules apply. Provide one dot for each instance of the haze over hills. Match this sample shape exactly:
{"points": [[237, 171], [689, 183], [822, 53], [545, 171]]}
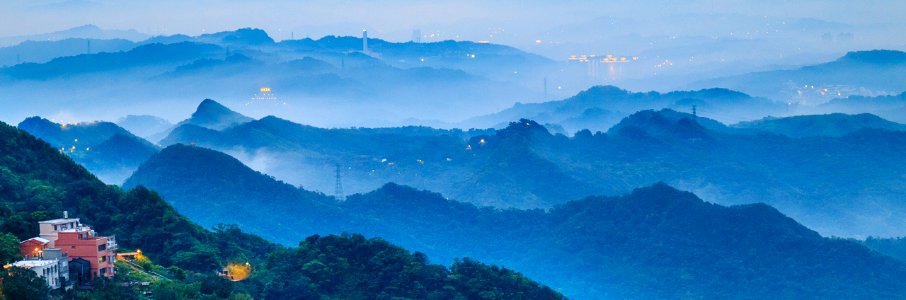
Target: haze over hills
{"points": [[88, 31], [227, 150], [44, 51], [854, 74], [330, 80], [834, 125], [592, 248], [600, 107], [525, 166], [145, 126], [141, 219], [890, 107], [104, 148]]}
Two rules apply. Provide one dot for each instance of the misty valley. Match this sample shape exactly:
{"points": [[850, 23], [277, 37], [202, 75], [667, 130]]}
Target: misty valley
{"points": [[248, 164]]}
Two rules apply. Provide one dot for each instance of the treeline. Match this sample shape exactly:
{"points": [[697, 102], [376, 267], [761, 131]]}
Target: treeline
{"points": [[38, 183]]}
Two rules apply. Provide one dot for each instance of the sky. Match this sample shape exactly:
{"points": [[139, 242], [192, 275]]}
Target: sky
{"points": [[509, 21]]}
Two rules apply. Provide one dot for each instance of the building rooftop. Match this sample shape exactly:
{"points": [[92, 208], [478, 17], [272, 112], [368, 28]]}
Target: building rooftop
{"points": [[39, 239], [59, 221], [32, 263], [77, 229]]}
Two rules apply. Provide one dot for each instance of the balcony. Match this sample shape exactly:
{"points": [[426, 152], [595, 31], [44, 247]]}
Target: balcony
{"points": [[111, 243]]}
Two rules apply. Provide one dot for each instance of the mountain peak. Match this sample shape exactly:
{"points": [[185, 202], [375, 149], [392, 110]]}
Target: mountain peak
{"points": [[523, 128], [601, 90], [662, 124], [214, 115], [241, 36]]}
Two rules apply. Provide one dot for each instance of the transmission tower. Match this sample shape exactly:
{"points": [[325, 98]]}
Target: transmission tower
{"points": [[338, 192]]}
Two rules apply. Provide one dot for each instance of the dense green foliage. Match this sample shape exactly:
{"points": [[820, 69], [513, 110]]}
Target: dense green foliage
{"points": [[20, 283], [9, 248], [654, 243], [352, 267], [38, 183]]}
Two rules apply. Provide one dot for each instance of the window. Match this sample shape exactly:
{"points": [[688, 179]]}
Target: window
{"points": [[102, 247], [103, 271]]}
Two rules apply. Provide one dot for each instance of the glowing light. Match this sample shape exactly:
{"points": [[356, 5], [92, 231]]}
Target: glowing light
{"points": [[237, 271], [537, 41], [265, 90]]}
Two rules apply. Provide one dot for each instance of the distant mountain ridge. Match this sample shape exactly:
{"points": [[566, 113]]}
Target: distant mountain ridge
{"points": [[142, 56], [891, 107], [526, 166], [88, 31], [313, 78], [834, 125], [600, 107], [855, 73], [104, 148]]}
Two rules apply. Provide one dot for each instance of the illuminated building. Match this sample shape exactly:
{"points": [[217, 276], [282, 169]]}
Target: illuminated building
{"points": [[52, 264], [265, 94], [75, 241], [49, 269], [82, 242]]}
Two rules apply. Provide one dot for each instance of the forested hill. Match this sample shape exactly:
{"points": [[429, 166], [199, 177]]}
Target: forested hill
{"points": [[38, 183], [107, 150], [818, 171], [656, 242]]}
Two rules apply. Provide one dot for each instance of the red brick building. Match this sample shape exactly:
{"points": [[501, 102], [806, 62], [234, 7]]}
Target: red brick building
{"points": [[33, 247]]}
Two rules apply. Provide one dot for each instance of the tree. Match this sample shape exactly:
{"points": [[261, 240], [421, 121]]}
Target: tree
{"points": [[21, 283], [9, 248]]}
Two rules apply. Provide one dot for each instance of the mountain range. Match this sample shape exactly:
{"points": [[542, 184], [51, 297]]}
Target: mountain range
{"points": [[39, 183], [318, 79], [601, 107], [88, 31], [656, 242], [854, 74], [890, 107], [832, 125], [805, 164]]}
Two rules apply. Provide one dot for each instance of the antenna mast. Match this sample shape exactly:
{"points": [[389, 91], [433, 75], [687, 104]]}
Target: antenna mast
{"points": [[338, 192]]}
